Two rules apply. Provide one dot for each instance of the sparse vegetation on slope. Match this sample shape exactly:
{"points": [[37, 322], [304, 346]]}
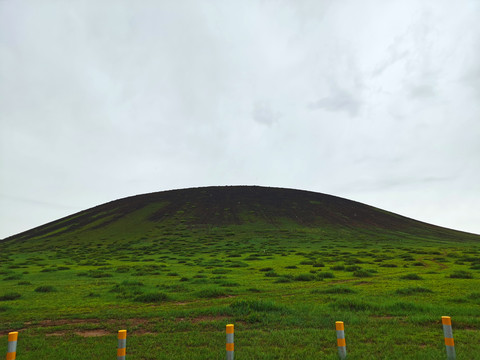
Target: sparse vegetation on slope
{"points": [[178, 266]]}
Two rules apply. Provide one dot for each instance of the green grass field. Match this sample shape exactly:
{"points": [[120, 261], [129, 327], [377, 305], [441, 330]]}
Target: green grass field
{"points": [[174, 284]]}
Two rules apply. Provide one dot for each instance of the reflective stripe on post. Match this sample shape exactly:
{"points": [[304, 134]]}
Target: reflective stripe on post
{"points": [[12, 345], [448, 334], [229, 344], [342, 346], [122, 345]]}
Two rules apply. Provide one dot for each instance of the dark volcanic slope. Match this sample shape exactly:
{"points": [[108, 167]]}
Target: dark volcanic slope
{"points": [[234, 205]]}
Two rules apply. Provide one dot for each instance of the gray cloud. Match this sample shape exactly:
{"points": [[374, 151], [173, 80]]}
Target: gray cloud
{"points": [[339, 100], [422, 91], [263, 113]]}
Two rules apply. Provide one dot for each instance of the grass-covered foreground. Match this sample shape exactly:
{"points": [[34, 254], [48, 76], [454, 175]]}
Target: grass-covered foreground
{"points": [[284, 301], [176, 286]]}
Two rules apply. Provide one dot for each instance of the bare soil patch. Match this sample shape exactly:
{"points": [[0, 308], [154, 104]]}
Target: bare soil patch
{"points": [[86, 333], [203, 318], [93, 333], [71, 323]]}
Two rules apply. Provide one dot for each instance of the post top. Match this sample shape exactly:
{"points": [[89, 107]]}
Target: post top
{"points": [[446, 320]]}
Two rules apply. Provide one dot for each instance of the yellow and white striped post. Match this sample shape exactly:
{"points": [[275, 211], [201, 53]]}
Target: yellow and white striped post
{"points": [[229, 345], [342, 346], [448, 334], [122, 345], [12, 345]]}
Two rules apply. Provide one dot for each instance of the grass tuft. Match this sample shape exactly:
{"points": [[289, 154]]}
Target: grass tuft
{"points": [[362, 273], [10, 296], [24, 283], [266, 269], [245, 307], [304, 277], [353, 305], [45, 289], [152, 298], [411, 277], [461, 274], [211, 293], [413, 290], [325, 275], [13, 277], [334, 290]]}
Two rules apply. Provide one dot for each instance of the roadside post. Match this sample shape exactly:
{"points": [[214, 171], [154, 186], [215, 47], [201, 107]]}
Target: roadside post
{"points": [[229, 345], [448, 334], [12, 345], [342, 347], [122, 345]]}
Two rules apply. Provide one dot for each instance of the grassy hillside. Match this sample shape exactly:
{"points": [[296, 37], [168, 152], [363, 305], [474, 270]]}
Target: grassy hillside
{"points": [[200, 209], [283, 265]]}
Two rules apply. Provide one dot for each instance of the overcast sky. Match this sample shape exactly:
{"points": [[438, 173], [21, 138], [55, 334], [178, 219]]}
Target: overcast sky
{"points": [[375, 101]]}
